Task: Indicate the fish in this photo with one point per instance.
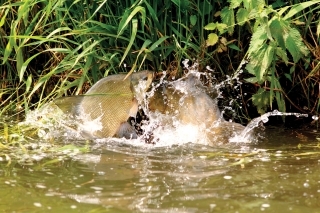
(188, 101)
(110, 101)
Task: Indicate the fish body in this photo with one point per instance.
(186, 100)
(110, 102)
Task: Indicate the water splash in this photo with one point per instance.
(189, 115)
(246, 133)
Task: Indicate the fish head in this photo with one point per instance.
(141, 79)
(140, 82)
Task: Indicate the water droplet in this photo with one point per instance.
(212, 206)
(37, 204)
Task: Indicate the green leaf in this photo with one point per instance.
(128, 17)
(277, 4)
(280, 101)
(258, 4)
(250, 67)
(222, 28)
(252, 80)
(318, 29)
(298, 7)
(4, 17)
(268, 57)
(247, 4)
(8, 49)
(282, 10)
(205, 7)
(182, 4)
(157, 43)
(233, 46)
(227, 16)
(258, 38)
(261, 100)
(28, 83)
(292, 69)
(212, 39)
(279, 28)
(25, 64)
(210, 26)
(132, 38)
(295, 46)
(259, 61)
(242, 16)
(235, 3)
(288, 76)
(193, 20)
(282, 54)
(20, 62)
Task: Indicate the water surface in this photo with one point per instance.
(278, 174)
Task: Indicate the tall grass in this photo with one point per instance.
(53, 48)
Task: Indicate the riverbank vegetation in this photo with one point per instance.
(267, 52)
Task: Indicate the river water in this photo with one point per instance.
(279, 173)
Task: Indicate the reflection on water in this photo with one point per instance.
(275, 175)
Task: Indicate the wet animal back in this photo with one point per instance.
(109, 100)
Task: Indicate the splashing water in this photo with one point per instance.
(245, 134)
(182, 113)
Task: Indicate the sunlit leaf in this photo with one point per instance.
(3, 18)
(294, 44)
(212, 39)
(298, 7)
(20, 62)
(247, 4)
(227, 16)
(222, 28)
(210, 26)
(258, 4)
(157, 43)
(268, 57)
(235, 3)
(126, 19)
(278, 29)
(132, 38)
(28, 83)
(282, 54)
(242, 16)
(252, 80)
(258, 38)
(7, 51)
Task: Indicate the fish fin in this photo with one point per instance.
(126, 131)
(134, 109)
(69, 104)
